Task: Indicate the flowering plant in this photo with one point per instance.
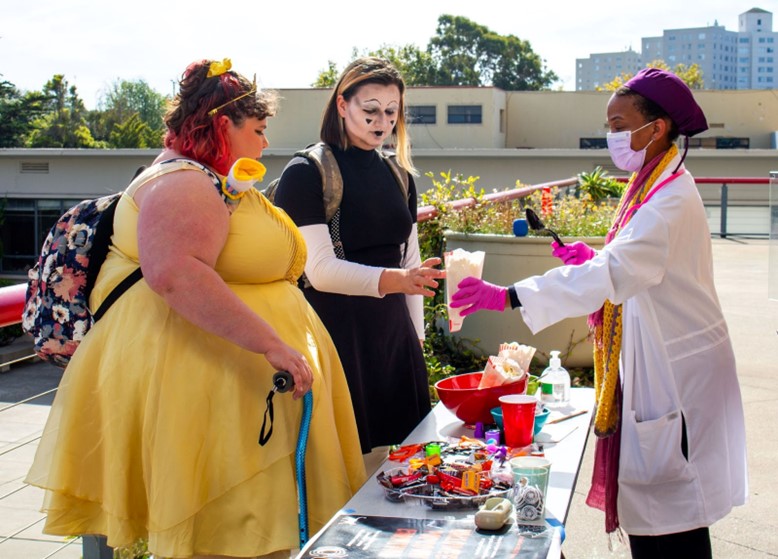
(571, 213)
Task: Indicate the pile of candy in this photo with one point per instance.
(448, 476)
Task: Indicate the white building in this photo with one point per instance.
(601, 68)
(757, 65)
(743, 59)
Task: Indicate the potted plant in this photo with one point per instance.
(488, 227)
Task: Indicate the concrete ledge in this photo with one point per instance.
(20, 348)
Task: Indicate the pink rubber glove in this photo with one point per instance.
(573, 253)
(476, 294)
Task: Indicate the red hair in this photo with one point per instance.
(194, 132)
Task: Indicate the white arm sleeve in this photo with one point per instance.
(415, 303)
(327, 272)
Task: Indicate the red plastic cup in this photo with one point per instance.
(518, 418)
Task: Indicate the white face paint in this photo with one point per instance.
(370, 115)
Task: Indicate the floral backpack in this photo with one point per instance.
(56, 311)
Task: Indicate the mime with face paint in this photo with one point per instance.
(371, 302)
(670, 457)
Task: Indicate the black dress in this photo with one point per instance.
(375, 337)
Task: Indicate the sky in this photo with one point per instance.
(287, 43)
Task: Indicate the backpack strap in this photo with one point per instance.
(400, 174)
(117, 292)
(403, 181)
(142, 176)
(170, 166)
(331, 179)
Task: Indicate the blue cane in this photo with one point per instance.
(284, 382)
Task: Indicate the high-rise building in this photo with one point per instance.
(757, 65)
(601, 68)
(742, 59)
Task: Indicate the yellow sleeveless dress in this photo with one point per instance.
(153, 432)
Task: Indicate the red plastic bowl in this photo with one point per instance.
(461, 395)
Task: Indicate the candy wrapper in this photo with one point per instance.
(460, 264)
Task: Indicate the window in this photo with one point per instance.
(464, 114)
(592, 143)
(422, 114)
(732, 143)
(27, 222)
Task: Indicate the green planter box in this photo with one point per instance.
(510, 259)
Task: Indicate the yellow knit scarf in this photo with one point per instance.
(608, 333)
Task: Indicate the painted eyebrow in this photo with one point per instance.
(377, 102)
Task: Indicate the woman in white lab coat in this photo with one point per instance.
(670, 457)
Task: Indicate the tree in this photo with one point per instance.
(462, 53)
(17, 111)
(328, 77)
(415, 65)
(133, 133)
(130, 106)
(691, 75)
(62, 122)
(466, 53)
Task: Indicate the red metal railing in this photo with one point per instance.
(428, 212)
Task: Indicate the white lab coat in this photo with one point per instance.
(677, 364)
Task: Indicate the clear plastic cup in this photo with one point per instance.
(530, 476)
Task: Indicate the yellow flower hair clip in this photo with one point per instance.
(218, 68)
(242, 176)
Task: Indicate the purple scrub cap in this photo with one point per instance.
(670, 92)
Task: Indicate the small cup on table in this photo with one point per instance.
(518, 419)
(530, 476)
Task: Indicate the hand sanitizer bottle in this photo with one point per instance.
(555, 382)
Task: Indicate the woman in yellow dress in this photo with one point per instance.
(153, 433)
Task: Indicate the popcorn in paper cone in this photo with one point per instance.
(500, 370)
(460, 264)
(520, 353)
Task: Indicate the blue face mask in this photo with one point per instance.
(621, 152)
